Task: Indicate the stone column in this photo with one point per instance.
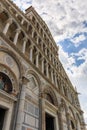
(53, 59)
(45, 50)
(56, 79)
(37, 58)
(56, 63)
(22, 21)
(68, 121)
(50, 55)
(16, 15)
(42, 64)
(24, 44)
(42, 45)
(52, 75)
(31, 54)
(41, 112)
(8, 23)
(16, 36)
(20, 116)
(37, 40)
(47, 69)
(32, 33)
(60, 120)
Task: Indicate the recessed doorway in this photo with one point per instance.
(2, 116)
(49, 121)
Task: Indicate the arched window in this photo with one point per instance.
(3, 18)
(11, 31)
(5, 83)
(49, 98)
(65, 91)
(33, 19)
(20, 40)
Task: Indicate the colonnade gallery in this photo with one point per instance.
(35, 91)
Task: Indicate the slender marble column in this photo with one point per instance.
(16, 15)
(56, 79)
(8, 23)
(56, 64)
(47, 69)
(32, 33)
(37, 59)
(31, 54)
(37, 40)
(24, 44)
(20, 117)
(46, 50)
(68, 121)
(50, 55)
(52, 75)
(42, 112)
(22, 21)
(42, 46)
(42, 64)
(53, 60)
(60, 120)
(16, 36)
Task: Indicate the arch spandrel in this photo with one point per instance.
(31, 72)
(10, 62)
(71, 112)
(34, 82)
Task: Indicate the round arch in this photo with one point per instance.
(4, 16)
(49, 91)
(72, 118)
(28, 72)
(5, 13)
(78, 117)
(5, 72)
(71, 111)
(12, 30)
(9, 52)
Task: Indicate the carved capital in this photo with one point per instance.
(24, 80)
(9, 20)
(25, 39)
(18, 30)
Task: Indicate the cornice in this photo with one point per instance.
(6, 95)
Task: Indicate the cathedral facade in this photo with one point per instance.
(35, 91)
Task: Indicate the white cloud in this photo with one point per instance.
(77, 40)
(66, 16)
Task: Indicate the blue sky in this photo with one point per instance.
(67, 21)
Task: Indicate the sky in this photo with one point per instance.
(67, 21)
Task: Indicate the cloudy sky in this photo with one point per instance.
(67, 21)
